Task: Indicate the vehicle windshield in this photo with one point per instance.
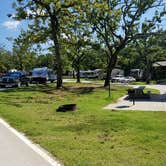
(14, 74)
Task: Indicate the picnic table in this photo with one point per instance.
(138, 93)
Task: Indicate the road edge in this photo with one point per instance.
(36, 148)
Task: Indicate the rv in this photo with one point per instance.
(42, 75)
(137, 73)
(97, 73)
(116, 72)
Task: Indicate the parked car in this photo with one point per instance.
(14, 79)
(123, 79)
(42, 75)
(130, 79)
(118, 78)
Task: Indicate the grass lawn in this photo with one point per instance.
(90, 136)
(143, 83)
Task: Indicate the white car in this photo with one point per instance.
(130, 79)
(122, 79)
(118, 78)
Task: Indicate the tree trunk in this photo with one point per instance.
(21, 66)
(111, 65)
(78, 73)
(112, 60)
(148, 71)
(54, 25)
(73, 73)
(20, 63)
(59, 64)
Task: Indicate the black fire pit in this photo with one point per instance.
(66, 107)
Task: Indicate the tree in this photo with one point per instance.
(49, 16)
(78, 43)
(6, 62)
(23, 54)
(150, 49)
(116, 23)
(95, 58)
(143, 52)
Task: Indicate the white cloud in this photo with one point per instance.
(11, 24)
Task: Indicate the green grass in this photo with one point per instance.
(90, 136)
(154, 91)
(143, 83)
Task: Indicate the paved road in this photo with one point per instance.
(15, 151)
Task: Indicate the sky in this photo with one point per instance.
(10, 28)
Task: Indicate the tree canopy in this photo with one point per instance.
(74, 28)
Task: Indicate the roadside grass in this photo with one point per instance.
(153, 91)
(89, 136)
(143, 83)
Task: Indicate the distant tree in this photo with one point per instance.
(6, 61)
(150, 49)
(77, 42)
(143, 52)
(116, 24)
(129, 58)
(45, 60)
(23, 53)
(95, 59)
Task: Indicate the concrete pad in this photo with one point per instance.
(155, 103)
(147, 105)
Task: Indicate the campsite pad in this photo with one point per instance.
(155, 103)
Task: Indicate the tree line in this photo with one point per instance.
(100, 30)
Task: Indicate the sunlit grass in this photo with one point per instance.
(89, 136)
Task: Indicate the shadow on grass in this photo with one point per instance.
(79, 90)
(7, 101)
(34, 88)
(51, 89)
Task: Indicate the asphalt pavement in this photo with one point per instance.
(17, 150)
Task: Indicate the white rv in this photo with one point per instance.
(137, 73)
(97, 73)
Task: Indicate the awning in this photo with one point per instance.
(159, 64)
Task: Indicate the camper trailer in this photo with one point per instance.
(116, 72)
(42, 75)
(137, 73)
(97, 73)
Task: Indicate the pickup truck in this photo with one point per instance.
(14, 79)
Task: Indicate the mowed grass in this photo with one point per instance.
(89, 136)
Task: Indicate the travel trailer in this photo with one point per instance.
(116, 72)
(97, 73)
(42, 75)
(137, 73)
